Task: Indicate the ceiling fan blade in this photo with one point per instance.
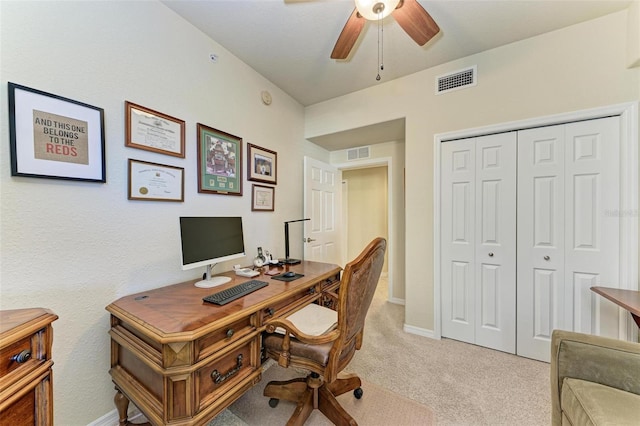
(416, 21)
(348, 36)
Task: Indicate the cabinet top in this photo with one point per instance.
(23, 321)
(177, 312)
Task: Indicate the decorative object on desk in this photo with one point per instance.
(262, 198)
(287, 260)
(155, 182)
(262, 164)
(153, 131)
(260, 259)
(219, 162)
(55, 137)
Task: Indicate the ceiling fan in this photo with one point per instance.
(412, 17)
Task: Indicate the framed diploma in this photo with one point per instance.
(262, 198)
(219, 162)
(55, 137)
(155, 182)
(153, 131)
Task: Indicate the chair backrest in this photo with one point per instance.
(357, 287)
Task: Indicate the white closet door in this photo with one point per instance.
(541, 196)
(478, 240)
(568, 238)
(592, 224)
(457, 239)
(495, 230)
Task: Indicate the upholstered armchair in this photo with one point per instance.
(594, 380)
(323, 341)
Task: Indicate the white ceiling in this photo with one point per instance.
(290, 41)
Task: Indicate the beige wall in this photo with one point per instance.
(579, 67)
(367, 204)
(75, 247)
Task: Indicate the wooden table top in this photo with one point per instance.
(178, 311)
(627, 299)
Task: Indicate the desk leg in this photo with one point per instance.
(636, 318)
(122, 404)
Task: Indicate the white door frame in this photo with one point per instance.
(628, 113)
(377, 162)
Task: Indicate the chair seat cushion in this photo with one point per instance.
(313, 320)
(318, 353)
(590, 403)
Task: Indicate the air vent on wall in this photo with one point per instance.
(358, 153)
(457, 80)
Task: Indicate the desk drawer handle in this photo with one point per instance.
(22, 357)
(312, 290)
(219, 378)
(269, 311)
(230, 333)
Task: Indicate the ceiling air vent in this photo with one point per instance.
(358, 153)
(457, 80)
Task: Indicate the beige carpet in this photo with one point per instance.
(377, 406)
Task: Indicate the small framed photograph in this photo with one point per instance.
(153, 131)
(219, 162)
(262, 198)
(261, 164)
(155, 182)
(55, 137)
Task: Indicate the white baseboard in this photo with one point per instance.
(113, 419)
(420, 331)
(396, 301)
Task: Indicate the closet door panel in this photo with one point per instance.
(458, 239)
(495, 224)
(591, 229)
(540, 246)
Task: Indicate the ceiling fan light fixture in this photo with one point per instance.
(373, 10)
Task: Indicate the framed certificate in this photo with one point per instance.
(155, 182)
(219, 162)
(153, 131)
(55, 137)
(262, 198)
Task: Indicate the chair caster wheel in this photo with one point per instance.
(358, 393)
(273, 402)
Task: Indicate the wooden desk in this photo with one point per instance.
(181, 361)
(627, 299)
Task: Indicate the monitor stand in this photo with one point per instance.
(209, 281)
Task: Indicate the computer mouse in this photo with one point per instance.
(289, 274)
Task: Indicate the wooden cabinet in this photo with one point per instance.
(26, 388)
(181, 361)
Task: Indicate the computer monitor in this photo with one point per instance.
(207, 241)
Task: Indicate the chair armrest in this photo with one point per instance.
(611, 362)
(326, 337)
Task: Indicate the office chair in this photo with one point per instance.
(325, 353)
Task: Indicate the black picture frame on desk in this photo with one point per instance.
(55, 137)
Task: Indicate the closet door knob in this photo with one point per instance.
(547, 258)
(490, 254)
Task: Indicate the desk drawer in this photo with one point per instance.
(297, 300)
(21, 357)
(217, 377)
(224, 337)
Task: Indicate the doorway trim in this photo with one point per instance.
(628, 113)
(381, 162)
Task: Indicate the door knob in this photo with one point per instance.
(307, 240)
(546, 258)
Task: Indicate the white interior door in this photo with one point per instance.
(568, 181)
(458, 239)
(322, 204)
(495, 248)
(541, 203)
(478, 240)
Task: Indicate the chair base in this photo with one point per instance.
(312, 393)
